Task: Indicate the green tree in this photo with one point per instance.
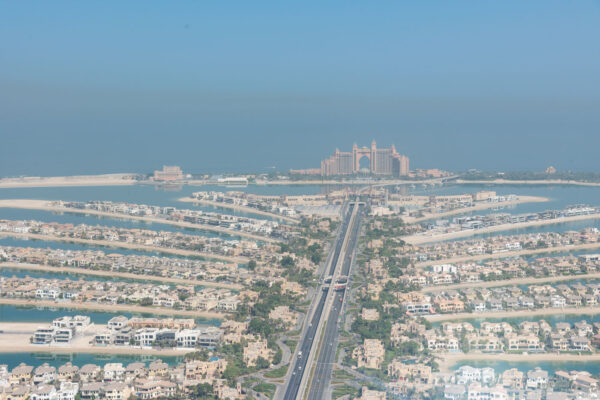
(261, 363)
(277, 357)
(287, 262)
(146, 301)
(203, 391)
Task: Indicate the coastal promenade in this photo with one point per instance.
(112, 308)
(31, 204)
(505, 254)
(129, 246)
(123, 275)
(16, 336)
(477, 207)
(509, 282)
(420, 238)
(514, 314)
(237, 207)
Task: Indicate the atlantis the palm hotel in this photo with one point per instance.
(381, 162)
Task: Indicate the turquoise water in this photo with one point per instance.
(560, 227)
(551, 319)
(142, 194)
(550, 366)
(56, 360)
(148, 194)
(76, 219)
(561, 253)
(24, 273)
(10, 313)
(42, 244)
(559, 196)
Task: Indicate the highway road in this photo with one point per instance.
(320, 384)
(299, 364)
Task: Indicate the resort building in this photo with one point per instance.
(381, 162)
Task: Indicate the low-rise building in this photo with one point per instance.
(370, 354)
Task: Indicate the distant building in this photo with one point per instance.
(368, 394)
(550, 170)
(381, 161)
(310, 171)
(168, 174)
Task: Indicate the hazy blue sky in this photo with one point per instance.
(112, 86)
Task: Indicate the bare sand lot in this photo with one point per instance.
(76, 180)
(15, 338)
(504, 254)
(237, 207)
(510, 282)
(30, 204)
(478, 207)
(115, 274)
(112, 308)
(449, 359)
(514, 314)
(123, 245)
(420, 239)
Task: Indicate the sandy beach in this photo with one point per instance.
(504, 254)
(30, 204)
(115, 274)
(525, 182)
(420, 239)
(112, 308)
(15, 338)
(236, 207)
(514, 314)
(130, 246)
(478, 207)
(510, 282)
(76, 180)
(449, 359)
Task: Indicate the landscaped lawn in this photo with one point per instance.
(277, 373)
(267, 389)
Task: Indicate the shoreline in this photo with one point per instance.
(16, 335)
(112, 308)
(525, 182)
(31, 204)
(509, 282)
(448, 359)
(119, 179)
(125, 275)
(478, 207)
(38, 348)
(513, 314)
(420, 239)
(128, 246)
(506, 254)
(236, 207)
(312, 182)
